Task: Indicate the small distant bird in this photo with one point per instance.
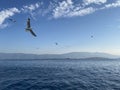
(91, 36)
(12, 20)
(29, 28)
(56, 43)
(37, 48)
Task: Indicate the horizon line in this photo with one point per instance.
(57, 53)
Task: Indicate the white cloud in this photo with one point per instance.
(4, 14)
(112, 5)
(3, 25)
(87, 2)
(82, 12)
(63, 8)
(30, 8)
(68, 9)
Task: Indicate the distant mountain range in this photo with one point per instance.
(72, 55)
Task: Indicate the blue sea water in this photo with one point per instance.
(59, 74)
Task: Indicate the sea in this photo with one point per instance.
(60, 74)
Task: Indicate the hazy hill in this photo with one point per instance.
(72, 55)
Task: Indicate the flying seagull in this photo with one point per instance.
(29, 28)
(12, 20)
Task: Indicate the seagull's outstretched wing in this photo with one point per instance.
(33, 33)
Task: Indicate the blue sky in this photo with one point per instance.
(70, 23)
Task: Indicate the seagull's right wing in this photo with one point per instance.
(33, 33)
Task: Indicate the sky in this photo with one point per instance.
(70, 23)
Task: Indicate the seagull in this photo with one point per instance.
(12, 20)
(29, 28)
(91, 36)
(56, 43)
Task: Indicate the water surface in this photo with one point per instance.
(59, 74)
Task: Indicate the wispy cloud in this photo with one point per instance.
(112, 5)
(87, 2)
(3, 25)
(31, 7)
(68, 9)
(58, 9)
(63, 9)
(4, 14)
(82, 12)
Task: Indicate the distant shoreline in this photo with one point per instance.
(68, 56)
(62, 59)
